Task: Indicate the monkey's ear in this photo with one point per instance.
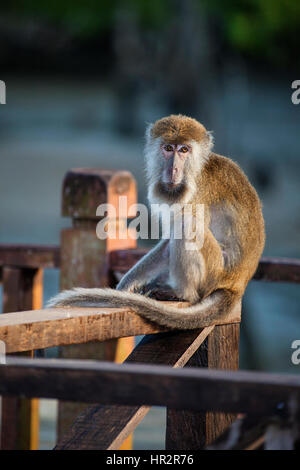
(148, 133)
(210, 139)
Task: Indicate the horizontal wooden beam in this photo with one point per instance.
(29, 256)
(269, 269)
(278, 270)
(122, 260)
(143, 384)
(43, 256)
(39, 329)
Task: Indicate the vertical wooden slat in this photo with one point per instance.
(22, 290)
(84, 257)
(192, 431)
(223, 353)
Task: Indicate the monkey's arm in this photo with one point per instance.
(153, 264)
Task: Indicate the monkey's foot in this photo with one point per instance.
(158, 292)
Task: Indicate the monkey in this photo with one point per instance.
(182, 169)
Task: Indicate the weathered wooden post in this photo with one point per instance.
(22, 290)
(84, 257)
(193, 431)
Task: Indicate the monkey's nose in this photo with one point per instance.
(174, 172)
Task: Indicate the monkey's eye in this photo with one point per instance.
(184, 149)
(168, 148)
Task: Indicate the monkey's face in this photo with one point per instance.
(174, 158)
(172, 170)
(176, 149)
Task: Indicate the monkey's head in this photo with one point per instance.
(177, 146)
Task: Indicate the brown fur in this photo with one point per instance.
(223, 182)
(178, 129)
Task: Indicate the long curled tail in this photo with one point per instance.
(213, 307)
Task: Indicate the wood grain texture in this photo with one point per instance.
(22, 331)
(223, 353)
(272, 269)
(84, 255)
(30, 256)
(83, 263)
(106, 427)
(84, 189)
(145, 384)
(269, 269)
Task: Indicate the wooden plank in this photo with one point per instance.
(106, 427)
(30, 256)
(22, 288)
(45, 256)
(278, 270)
(22, 331)
(11, 406)
(154, 385)
(122, 260)
(192, 431)
(81, 248)
(223, 353)
(269, 269)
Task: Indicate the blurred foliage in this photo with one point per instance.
(89, 17)
(268, 28)
(263, 28)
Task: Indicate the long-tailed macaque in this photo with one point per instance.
(182, 169)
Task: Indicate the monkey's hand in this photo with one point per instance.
(158, 291)
(129, 287)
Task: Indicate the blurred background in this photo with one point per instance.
(83, 79)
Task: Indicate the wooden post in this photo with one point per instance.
(193, 431)
(84, 257)
(22, 290)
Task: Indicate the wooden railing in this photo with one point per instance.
(199, 400)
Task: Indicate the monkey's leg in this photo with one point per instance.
(148, 268)
(201, 270)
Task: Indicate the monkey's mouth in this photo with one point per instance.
(171, 190)
(172, 186)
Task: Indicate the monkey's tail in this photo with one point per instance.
(213, 307)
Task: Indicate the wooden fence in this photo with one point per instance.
(202, 398)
